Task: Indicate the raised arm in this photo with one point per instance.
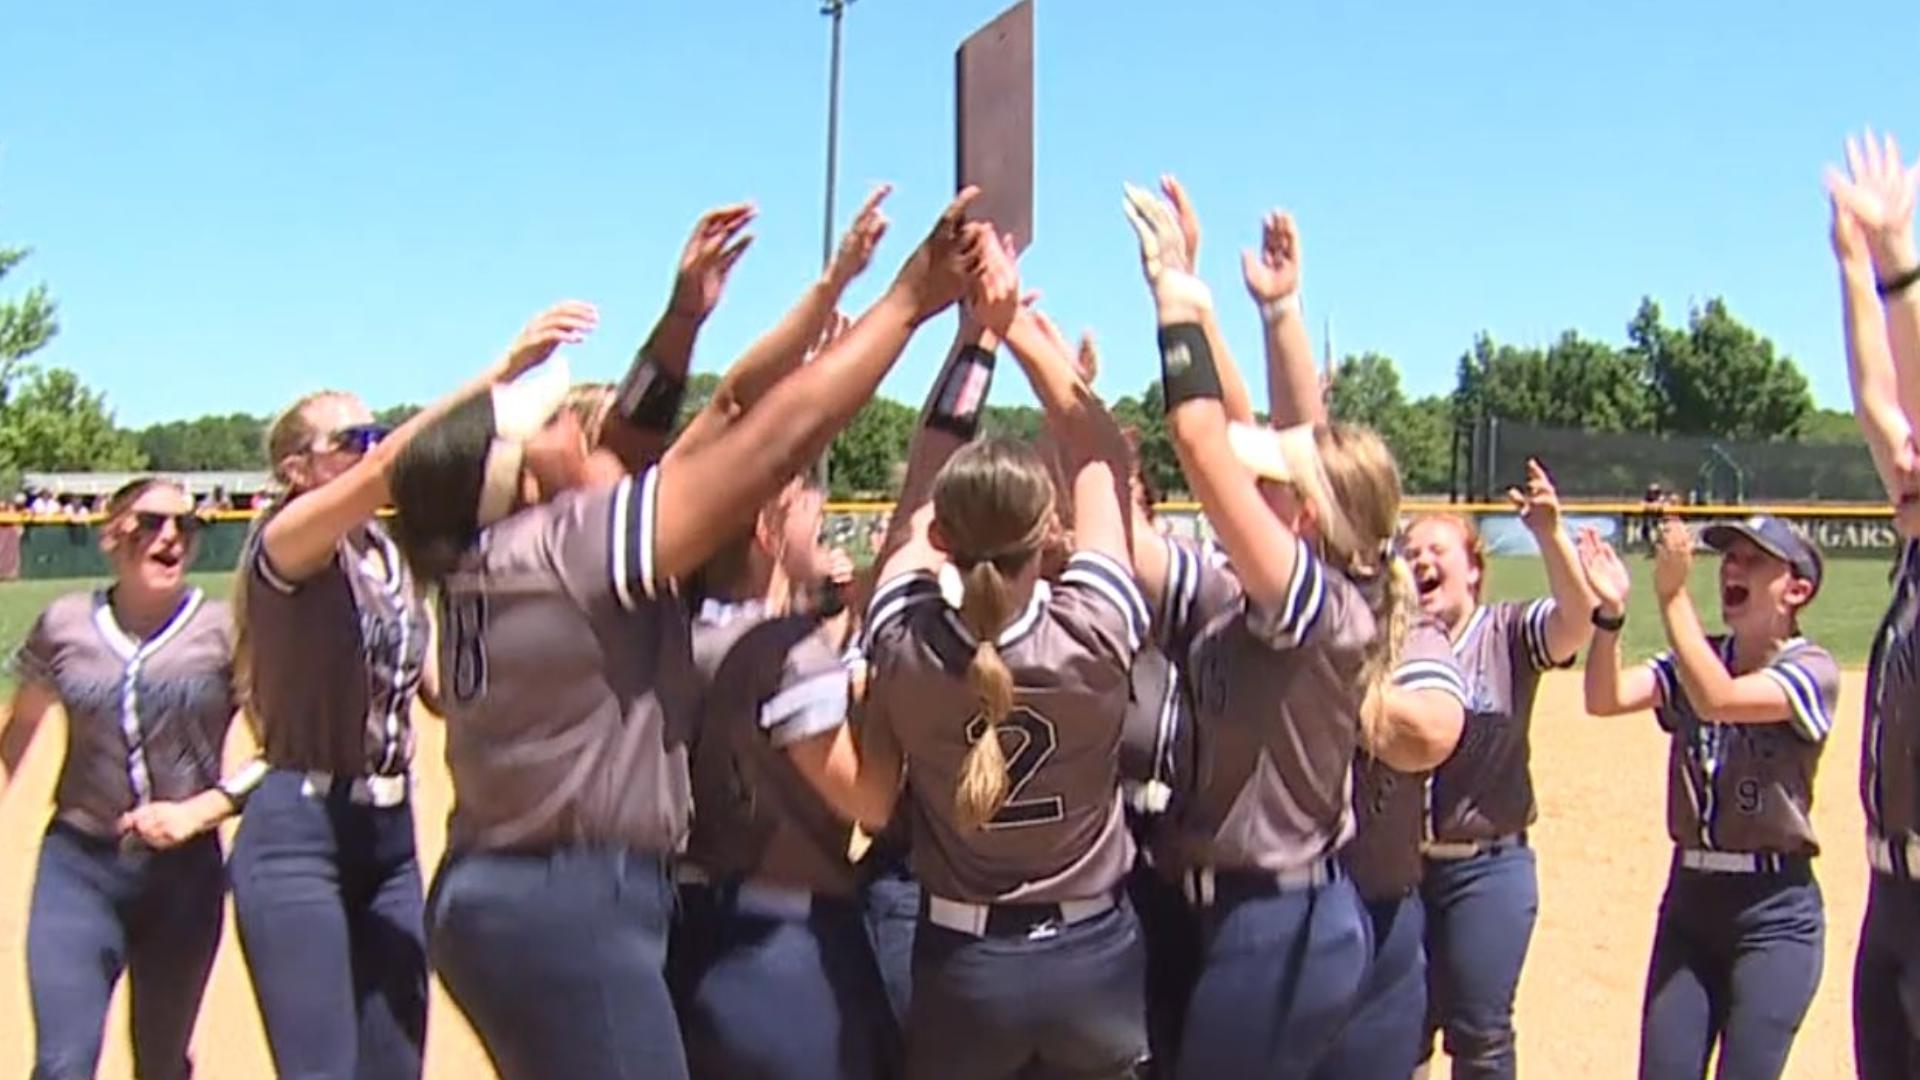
(949, 419)
(805, 326)
(301, 539)
(1234, 397)
(1610, 691)
(1095, 452)
(647, 400)
(1294, 392)
(711, 490)
(1880, 191)
(1570, 626)
(1886, 426)
(1262, 547)
(1716, 694)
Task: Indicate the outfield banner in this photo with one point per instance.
(1503, 534)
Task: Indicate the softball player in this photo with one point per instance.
(129, 876)
(570, 683)
(1420, 727)
(770, 912)
(1480, 888)
(1737, 950)
(1007, 714)
(1879, 265)
(1295, 616)
(330, 642)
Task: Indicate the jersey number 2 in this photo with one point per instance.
(466, 629)
(1029, 741)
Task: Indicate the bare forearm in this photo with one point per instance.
(1893, 256)
(782, 348)
(1571, 625)
(1870, 374)
(1601, 679)
(932, 444)
(1293, 385)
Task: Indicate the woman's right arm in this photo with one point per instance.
(301, 539)
(32, 700)
(707, 493)
(1096, 449)
(1264, 551)
(1880, 192)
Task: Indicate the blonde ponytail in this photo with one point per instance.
(1392, 614)
(985, 606)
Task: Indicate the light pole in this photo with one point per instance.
(835, 10)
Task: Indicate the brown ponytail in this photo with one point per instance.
(993, 506)
(1393, 613)
(1359, 519)
(986, 606)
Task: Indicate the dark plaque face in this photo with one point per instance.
(993, 96)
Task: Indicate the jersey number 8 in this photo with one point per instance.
(1028, 740)
(466, 629)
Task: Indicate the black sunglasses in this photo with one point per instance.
(359, 438)
(150, 522)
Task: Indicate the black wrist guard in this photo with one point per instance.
(1186, 365)
(649, 398)
(1609, 623)
(961, 398)
(1899, 282)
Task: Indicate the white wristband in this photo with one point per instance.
(1274, 310)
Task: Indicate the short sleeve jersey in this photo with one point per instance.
(767, 683)
(1890, 740)
(1060, 833)
(146, 718)
(1485, 790)
(1748, 787)
(1276, 699)
(1384, 857)
(336, 657)
(569, 681)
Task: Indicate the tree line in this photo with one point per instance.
(1711, 375)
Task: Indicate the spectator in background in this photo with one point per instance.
(1652, 507)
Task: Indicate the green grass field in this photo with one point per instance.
(1843, 618)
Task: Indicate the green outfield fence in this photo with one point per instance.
(61, 547)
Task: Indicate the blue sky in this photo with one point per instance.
(237, 203)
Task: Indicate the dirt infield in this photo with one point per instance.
(1603, 860)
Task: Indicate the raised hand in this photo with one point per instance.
(1184, 213)
(940, 270)
(1880, 191)
(1539, 504)
(1849, 239)
(994, 300)
(862, 238)
(1606, 575)
(566, 323)
(1086, 359)
(1164, 257)
(719, 239)
(1273, 273)
(1672, 558)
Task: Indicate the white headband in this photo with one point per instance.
(521, 409)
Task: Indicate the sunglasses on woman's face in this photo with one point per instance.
(357, 439)
(150, 522)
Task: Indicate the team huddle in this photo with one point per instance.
(1041, 792)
